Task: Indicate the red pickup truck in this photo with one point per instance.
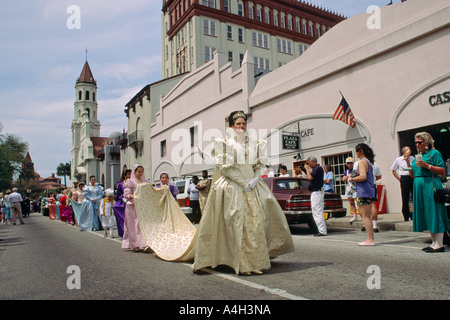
(294, 198)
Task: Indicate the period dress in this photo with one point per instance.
(132, 235)
(119, 208)
(76, 201)
(241, 229)
(165, 228)
(51, 208)
(65, 210)
(107, 213)
(89, 217)
(427, 213)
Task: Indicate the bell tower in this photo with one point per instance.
(85, 124)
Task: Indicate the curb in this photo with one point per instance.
(383, 224)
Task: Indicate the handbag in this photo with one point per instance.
(440, 195)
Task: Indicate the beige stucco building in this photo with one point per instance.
(396, 80)
(141, 112)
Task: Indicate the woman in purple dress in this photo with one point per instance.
(119, 206)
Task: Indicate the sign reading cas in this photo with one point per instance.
(439, 98)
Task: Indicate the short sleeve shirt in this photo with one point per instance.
(317, 182)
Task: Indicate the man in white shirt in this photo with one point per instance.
(193, 200)
(283, 172)
(15, 199)
(400, 169)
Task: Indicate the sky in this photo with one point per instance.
(43, 50)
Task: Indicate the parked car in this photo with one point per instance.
(183, 196)
(295, 200)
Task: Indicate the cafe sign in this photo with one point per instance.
(290, 141)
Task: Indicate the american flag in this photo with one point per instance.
(344, 113)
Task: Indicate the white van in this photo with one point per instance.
(183, 195)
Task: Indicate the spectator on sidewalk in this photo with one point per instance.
(400, 169)
(365, 189)
(350, 188)
(194, 200)
(315, 176)
(283, 172)
(203, 190)
(16, 209)
(328, 179)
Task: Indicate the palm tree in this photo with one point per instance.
(63, 170)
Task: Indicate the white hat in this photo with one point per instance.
(109, 192)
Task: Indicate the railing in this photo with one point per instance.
(135, 137)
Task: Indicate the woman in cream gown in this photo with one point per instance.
(243, 225)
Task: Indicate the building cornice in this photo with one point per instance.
(292, 7)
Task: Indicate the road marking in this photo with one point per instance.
(101, 235)
(237, 279)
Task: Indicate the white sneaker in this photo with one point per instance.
(353, 219)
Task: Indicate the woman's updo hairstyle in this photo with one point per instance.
(236, 115)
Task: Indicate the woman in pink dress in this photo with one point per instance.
(132, 235)
(51, 207)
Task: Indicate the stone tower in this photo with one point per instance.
(84, 125)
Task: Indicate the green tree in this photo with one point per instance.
(63, 170)
(12, 153)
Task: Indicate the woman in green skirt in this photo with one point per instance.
(427, 213)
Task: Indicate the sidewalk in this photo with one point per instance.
(386, 221)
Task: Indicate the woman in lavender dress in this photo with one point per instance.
(119, 206)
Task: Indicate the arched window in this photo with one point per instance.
(137, 123)
(87, 95)
(93, 96)
(80, 95)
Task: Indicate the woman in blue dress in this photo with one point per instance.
(427, 213)
(89, 217)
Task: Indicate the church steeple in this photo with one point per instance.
(86, 75)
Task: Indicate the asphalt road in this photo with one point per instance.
(50, 260)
